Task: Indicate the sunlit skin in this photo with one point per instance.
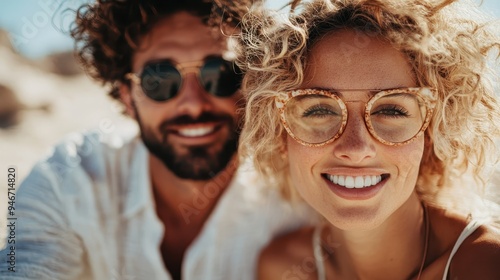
(182, 38)
(357, 153)
(379, 234)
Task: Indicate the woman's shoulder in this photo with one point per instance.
(289, 256)
(478, 256)
(476, 244)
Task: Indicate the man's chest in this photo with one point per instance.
(178, 237)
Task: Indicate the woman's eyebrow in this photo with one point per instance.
(338, 92)
(369, 92)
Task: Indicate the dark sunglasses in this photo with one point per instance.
(162, 80)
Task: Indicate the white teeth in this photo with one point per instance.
(196, 132)
(349, 182)
(355, 181)
(359, 182)
(341, 180)
(368, 180)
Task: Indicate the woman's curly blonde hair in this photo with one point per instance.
(449, 48)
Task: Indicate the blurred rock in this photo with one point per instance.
(10, 107)
(5, 40)
(33, 86)
(62, 63)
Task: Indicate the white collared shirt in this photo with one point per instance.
(87, 212)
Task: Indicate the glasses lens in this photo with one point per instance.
(313, 118)
(397, 117)
(160, 81)
(219, 77)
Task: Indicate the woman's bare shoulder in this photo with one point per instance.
(289, 256)
(478, 257)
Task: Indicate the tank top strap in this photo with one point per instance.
(318, 256)
(468, 230)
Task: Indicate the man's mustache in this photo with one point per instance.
(204, 117)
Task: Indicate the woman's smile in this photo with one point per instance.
(355, 181)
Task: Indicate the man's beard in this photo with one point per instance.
(198, 163)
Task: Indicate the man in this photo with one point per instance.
(171, 203)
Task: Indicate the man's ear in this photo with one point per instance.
(126, 98)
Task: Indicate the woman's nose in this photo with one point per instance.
(356, 144)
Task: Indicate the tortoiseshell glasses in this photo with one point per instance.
(316, 117)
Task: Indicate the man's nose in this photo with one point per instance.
(192, 98)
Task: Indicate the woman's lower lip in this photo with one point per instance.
(355, 193)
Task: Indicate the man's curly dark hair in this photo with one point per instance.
(107, 32)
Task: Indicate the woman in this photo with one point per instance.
(371, 111)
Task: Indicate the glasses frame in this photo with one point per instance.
(427, 94)
(183, 69)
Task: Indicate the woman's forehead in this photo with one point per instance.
(342, 60)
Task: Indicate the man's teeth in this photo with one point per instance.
(355, 181)
(196, 132)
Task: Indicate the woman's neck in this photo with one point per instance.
(393, 250)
